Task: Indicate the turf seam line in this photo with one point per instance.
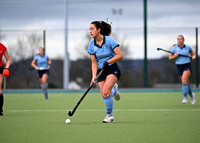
(116, 110)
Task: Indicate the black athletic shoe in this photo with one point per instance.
(1, 113)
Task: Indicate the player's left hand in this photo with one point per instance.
(193, 57)
(105, 65)
(6, 72)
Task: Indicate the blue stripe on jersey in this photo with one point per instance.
(103, 53)
(183, 51)
(42, 62)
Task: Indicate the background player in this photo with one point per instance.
(183, 66)
(3, 72)
(41, 63)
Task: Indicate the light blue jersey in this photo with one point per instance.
(42, 62)
(183, 51)
(103, 53)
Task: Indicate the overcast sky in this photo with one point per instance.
(164, 16)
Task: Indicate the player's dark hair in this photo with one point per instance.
(41, 48)
(105, 27)
(182, 36)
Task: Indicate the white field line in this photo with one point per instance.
(115, 110)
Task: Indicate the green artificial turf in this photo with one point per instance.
(146, 117)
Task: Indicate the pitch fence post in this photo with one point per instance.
(44, 40)
(197, 60)
(145, 46)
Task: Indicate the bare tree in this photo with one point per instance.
(25, 47)
(124, 45)
(34, 43)
(83, 47)
(21, 54)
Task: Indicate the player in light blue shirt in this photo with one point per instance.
(104, 53)
(185, 50)
(41, 63)
(183, 66)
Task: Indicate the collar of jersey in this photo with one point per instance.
(180, 47)
(40, 55)
(104, 40)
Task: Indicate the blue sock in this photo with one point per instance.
(190, 91)
(45, 87)
(109, 104)
(113, 91)
(185, 90)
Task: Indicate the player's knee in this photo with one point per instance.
(184, 81)
(43, 81)
(106, 92)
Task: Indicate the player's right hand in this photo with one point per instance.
(6, 72)
(94, 81)
(176, 55)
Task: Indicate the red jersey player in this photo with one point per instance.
(3, 72)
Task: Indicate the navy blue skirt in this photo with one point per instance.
(183, 67)
(41, 72)
(112, 69)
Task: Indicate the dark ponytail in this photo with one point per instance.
(105, 27)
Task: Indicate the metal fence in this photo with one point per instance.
(49, 26)
(23, 45)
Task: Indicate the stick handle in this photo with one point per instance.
(99, 74)
(70, 113)
(173, 53)
(46, 68)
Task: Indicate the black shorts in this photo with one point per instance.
(183, 67)
(41, 72)
(112, 69)
(1, 69)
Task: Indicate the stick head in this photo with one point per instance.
(158, 49)
(70, 113)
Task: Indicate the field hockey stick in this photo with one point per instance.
(46, 68)
(172, 53)
(70, 113)
(40, 69)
